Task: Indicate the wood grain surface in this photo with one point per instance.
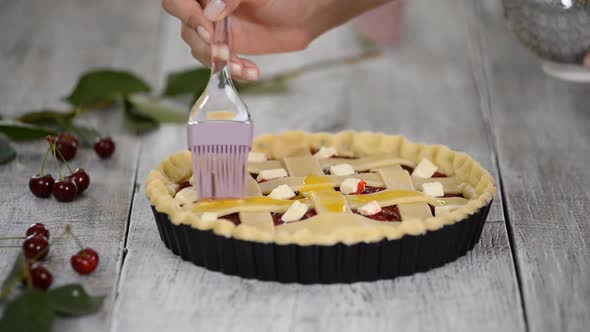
(45, 46)
(541, 126)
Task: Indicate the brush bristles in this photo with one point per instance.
(219, 171)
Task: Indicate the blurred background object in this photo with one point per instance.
(556, 30)
(382, 24)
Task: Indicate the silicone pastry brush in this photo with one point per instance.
(220, 130)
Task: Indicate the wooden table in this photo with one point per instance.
(458, 77)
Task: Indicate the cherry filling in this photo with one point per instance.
(435, 175)
(234, 217)
(183, 185)
(276, 217)
(388, 213)
(369, 190)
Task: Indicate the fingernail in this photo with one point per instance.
(235, 68)
(587, 61)
(220, 51)
(214, 9)
(203, 33)
(251, 74)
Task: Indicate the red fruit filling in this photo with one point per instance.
(183, 185)
(234, 217)
(388, 213)
(276, 217)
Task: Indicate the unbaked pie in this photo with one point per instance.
(313, 199)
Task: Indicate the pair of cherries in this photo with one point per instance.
(67, 145)
(36, 247)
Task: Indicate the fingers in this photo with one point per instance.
(216, 10)
(250, 70)
(191, 15)
(199, 44)
(240, 68)
(587, 60)
(243, 69)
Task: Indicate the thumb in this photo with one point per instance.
(587, 60)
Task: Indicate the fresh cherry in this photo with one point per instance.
(40, 185)
(37, 229)
(41, 278)
(64, 190)
(66, 145)
(104, 147)
(68, 137)
(85, 261)
(35, 247)
(80, 178)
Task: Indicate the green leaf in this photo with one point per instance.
(72, 300)
(187, 82)
(273, 86)
(15, 276)
(19, 131)
(29, 312)
(103, 86)
(137, 122)
(87, 136)
(158, 109)
(48, 117)
(7, 153)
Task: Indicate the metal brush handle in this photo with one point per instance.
(220, 100)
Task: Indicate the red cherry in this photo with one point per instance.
(64, 190)
(68, 137)
(85, 261)
(80, 178)
(36, 247)
(104, 147)
(40, 185)
(67, 149)
(66, 144)
(41, 278)
(38, 229)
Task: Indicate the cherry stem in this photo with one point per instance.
(75, 238)
(64, 160)
(61, 177)
(45, 161)
(13, 238)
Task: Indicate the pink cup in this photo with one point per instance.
(382, 24)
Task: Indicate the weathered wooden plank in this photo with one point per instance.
(541, 130)
(98, 217)
(44, 48)
(425, 89)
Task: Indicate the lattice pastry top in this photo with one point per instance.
(324, 189)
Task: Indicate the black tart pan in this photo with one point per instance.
(313, 264)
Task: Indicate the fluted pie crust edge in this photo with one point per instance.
(163, 182)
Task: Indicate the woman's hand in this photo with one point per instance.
(587, 60)
(261, 26)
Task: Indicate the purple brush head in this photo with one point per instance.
(220, 155)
